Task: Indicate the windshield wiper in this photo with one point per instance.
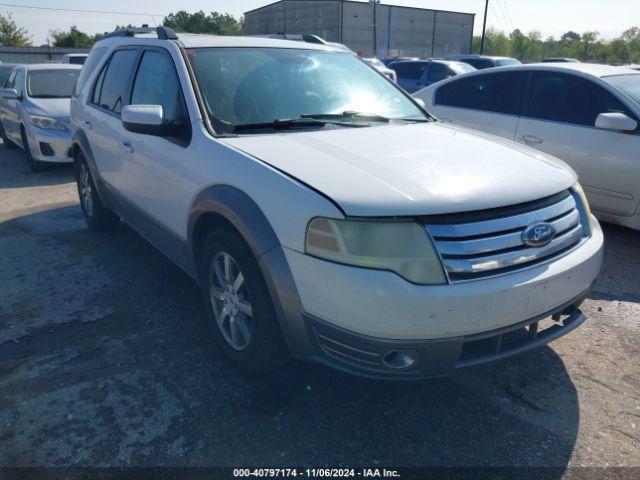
(286, 123)
(350, 115)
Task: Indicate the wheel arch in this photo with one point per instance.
(227, 206)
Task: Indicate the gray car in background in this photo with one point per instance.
(34, 112)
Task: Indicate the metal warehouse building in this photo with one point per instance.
(399, 31)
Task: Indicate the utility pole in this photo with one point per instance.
(375, 3)
(484, 26)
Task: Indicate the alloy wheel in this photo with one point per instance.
(86, 191)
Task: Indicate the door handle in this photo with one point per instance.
(88, 125)
(530, 139)
(126, 146)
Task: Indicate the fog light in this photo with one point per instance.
(46, 149)
(401, 359)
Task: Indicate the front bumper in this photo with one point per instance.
(377, 358)
(50, 145)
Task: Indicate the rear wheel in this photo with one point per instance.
(8, 144)
(97, 216)
(34, 164)
(239, 305)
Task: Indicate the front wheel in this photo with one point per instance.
(238, 304)
(97, 216)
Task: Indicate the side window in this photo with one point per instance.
(11, 80)
(480, 64)
(446, 94)
(18, 82)
(157, 83)
(569, 99)
(93, 59)
(113, 87)
(439, 72)
(494, 92)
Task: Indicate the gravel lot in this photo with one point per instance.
(106, 360)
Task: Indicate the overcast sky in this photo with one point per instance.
(551, 17)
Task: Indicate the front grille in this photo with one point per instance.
(486, 243)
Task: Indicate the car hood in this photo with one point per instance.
(410, 169)
(50, 107)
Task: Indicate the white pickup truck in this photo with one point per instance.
(324, 213)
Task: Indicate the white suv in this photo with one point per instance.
(323, 212)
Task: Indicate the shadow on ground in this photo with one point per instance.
(16, 172)
(106, 359)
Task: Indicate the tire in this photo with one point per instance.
(34, 164)
(97, 216)
(259, 346)
(8, 144)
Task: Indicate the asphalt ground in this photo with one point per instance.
(106, 360)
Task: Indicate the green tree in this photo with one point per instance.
(73, 38)
(11, 35)
(213, 23)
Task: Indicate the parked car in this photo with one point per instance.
(379, 66)
(34, 112)
(5, 70)
(74, 58)
(633, 66)
(415, 75)
(560, 60)
(481, 62)
(585, 114)
(323, 212)
(388, 61)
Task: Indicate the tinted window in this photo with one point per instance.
(4, 74)
(116, 80)
(51, 83)
(412, 70)
(439, 72)
(479, 63)
(495, 92)
(504, 62)
(11, 80)
(77, 60)
(446, 94)
(569, 99)
(157, 83)
(92, 61)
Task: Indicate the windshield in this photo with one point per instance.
(461, 67)
(629, 84)
(243, 86)
(504, 62)
(51, 83)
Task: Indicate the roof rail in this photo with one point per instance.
(164, 33)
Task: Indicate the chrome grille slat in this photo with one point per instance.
(473, 229)
(500, 242)
(510, 259)
(473, 249)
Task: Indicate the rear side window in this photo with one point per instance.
(411, 70)
(111, 87)
(495, 92)
(157, 83)
(570, 99)
(439, 72)
(93, 59)
(446, 94)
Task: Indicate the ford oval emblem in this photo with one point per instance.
(538, 235)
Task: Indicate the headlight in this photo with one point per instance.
(586, 210)
(400, 247)
(47, 123)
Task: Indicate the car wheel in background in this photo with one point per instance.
(34, 164)
(8, 144)
(97, 216)
(238, 304)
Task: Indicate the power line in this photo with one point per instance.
(76, 10)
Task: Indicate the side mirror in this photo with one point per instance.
(10, 94)
(144, 119)
(616, 121)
